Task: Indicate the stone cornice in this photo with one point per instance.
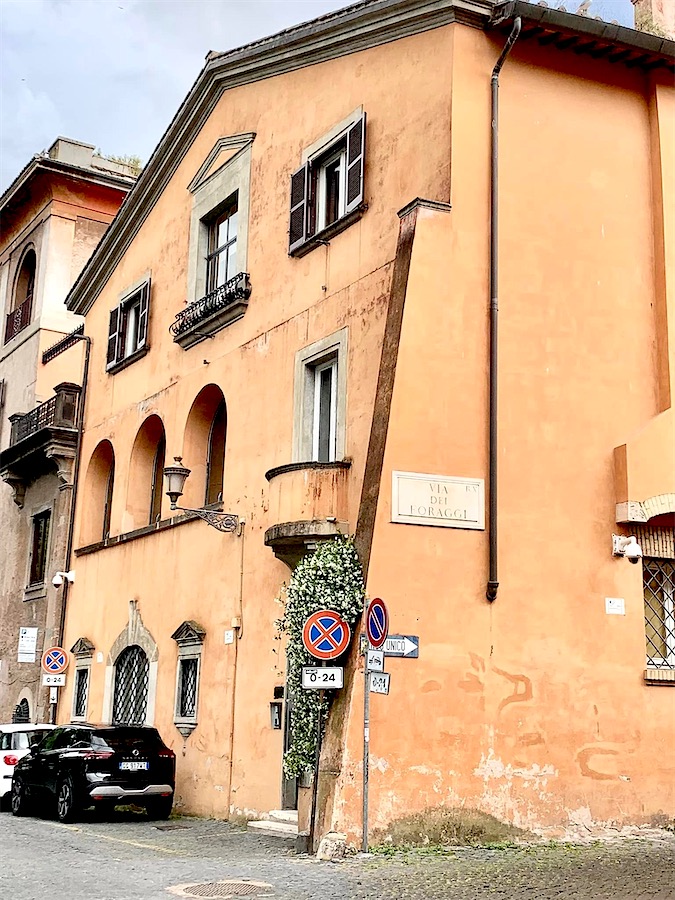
(347, 31)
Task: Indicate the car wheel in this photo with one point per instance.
(65, 801)
(160, 807)
(19, 799)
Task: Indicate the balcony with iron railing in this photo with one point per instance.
(18, 319)
(44, 438)
(220, 307)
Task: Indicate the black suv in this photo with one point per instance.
(85, 765)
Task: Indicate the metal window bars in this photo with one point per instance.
(187, 703)
(130, 702)
(18, 318)
(659, 599)
(81, 684)
(237, 288)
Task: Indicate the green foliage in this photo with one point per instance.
(330, 578)
(446, 826)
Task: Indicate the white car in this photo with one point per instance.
(15, 742)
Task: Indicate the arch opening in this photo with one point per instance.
(204, 446)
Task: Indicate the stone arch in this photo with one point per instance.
(145, 489)
(24, 280)
(204, 444)
(135, 634)
(99, 485)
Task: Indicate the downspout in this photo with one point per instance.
(493, 582)
(73, 499)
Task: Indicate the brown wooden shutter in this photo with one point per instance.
(297, 234)
(111, 356)
(356, 155)
(143, 315)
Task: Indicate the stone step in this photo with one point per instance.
(289, 816)
(274, 829)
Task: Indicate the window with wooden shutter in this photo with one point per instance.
(143, 316)
(128, 328)
(111, 356)
(297, 234)
(327, 192)
(356, 146)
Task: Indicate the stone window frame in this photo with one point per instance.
(133, 633)
(210, 195)
(189, 636)
(658, 547)
(307, 360)
(139, 293)
(347, 141)
(38, 590)
(83, 651)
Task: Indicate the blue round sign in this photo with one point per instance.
(377, 622)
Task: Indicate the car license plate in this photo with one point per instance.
(134, 766)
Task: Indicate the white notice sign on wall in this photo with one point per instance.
(418, 499)
(27, 645)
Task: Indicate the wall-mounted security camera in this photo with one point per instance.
(60, 577)
(627, 547)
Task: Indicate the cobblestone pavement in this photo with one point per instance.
(129, 858)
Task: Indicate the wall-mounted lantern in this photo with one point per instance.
(175, 478)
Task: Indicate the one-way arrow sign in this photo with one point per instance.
(407, 645)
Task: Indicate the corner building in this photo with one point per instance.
(294, 300)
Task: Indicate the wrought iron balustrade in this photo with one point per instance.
(234, 290)
(60, 411)
(18, 319)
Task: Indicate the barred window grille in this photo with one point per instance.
(81, 688)
(187, 687)
(130, 702)
(659, 595)
(21, 713)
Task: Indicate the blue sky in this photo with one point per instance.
(113, 72)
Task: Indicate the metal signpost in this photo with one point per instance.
(325, 636)
(54, 663)
(377, 628)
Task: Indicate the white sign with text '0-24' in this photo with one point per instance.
(323, 678)
(53, 680)
(418, 499)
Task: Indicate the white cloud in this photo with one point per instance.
(113, 72)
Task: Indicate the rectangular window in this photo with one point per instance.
(659, 596)
(325, 411)
(80, 695)
(221, 262)
(38, 558)
(327, 191)
(188, 674)
(128, 328)
(319, 404)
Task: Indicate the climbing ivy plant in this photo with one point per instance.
(329, 578)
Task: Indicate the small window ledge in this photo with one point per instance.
(35, 592)
(137, 533)
(128, 360)
(325, 235)
(203, 318)
(660, 676)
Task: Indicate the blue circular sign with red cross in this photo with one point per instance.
(377, 622)
(326, 635)
(55, 660)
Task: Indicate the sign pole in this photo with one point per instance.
(366, 744)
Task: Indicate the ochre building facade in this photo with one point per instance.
(295, 302)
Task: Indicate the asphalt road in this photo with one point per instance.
(129, 858)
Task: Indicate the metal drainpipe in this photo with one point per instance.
(73, 499)
(493, 583)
